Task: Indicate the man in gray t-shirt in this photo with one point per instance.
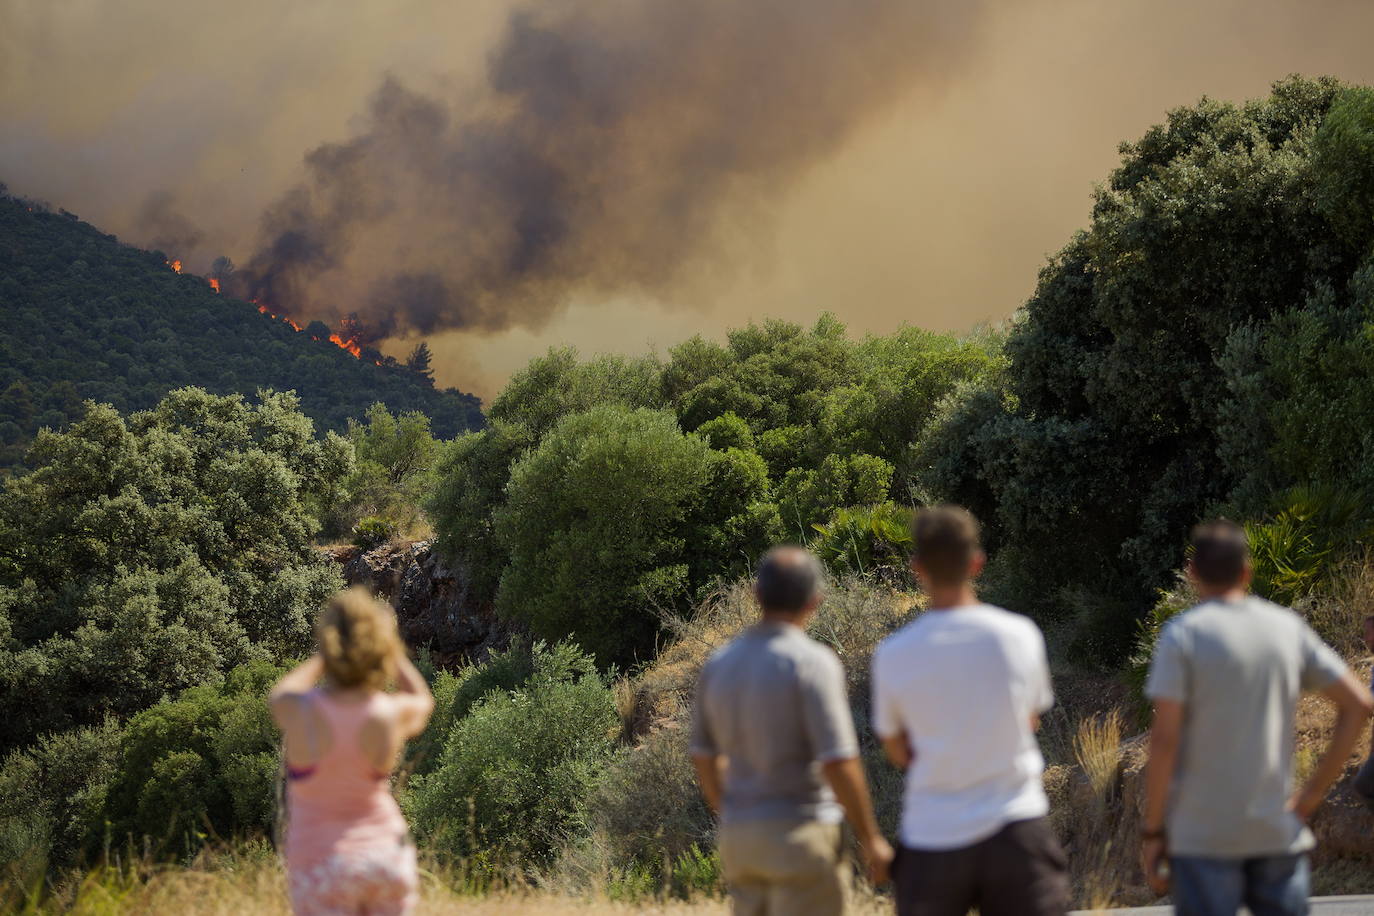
(1225, 681)
(775, 751)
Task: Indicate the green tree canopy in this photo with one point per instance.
(1108, 444)
(146, 555)
(597, 521)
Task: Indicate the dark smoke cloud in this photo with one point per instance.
(165, 227)
(615, 143)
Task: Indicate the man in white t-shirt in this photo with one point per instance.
(957, 696)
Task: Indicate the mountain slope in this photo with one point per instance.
(83, 316)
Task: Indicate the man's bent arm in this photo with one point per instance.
(898, 750)
(846, 778)
(1353, 706)
(710, 776)
(1165, 736)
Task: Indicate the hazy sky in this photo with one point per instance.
(937, 209)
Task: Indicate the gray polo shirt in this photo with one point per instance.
(773, 701)
(1238, 668)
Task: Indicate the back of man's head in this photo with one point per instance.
(788, 581)
(945, 539)
(1221, 553)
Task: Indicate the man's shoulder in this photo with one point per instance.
(747, 646)
(1207, 614)
(904, 637)
(1010, 620)
(814, 654)
(1002, 624)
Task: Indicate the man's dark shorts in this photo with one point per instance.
(1018, 871)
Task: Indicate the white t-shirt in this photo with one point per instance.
(963, 684)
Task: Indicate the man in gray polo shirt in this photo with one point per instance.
(777, 758)
(1225, 681)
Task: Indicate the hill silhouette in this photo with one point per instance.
(86, 316)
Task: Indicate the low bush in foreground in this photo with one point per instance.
(512, 781)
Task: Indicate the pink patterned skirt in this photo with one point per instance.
(372, 882)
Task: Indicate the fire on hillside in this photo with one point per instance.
(346, 338)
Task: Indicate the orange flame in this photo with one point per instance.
(214, 284)
(348, 345)
(175, 265)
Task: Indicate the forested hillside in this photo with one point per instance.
(86, 317)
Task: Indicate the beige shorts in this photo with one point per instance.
(784, 868)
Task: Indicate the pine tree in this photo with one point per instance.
(418, 362)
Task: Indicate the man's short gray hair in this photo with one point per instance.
(788, 579)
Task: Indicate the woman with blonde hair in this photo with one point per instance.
(347, 848)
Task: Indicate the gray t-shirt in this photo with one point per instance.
(773, 701)
(1238, 668)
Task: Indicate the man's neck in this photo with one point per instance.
(793, 620)
(945, 597)
(1234, 593)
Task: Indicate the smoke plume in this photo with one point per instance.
(614, 144)
(165, 227)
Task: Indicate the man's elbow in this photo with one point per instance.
(1165, 741)
(835, 766)
(1360, 706)
(706, 763)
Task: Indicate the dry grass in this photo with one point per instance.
(230, 886)
(1097, 748)
(856, 615)
(1338, 613)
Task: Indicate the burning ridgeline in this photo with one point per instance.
(346, 338)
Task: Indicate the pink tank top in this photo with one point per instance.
(341, 804)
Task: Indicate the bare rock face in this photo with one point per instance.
(434, 604)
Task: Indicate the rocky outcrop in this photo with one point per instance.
(434, 604)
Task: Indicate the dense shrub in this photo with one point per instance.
(394, 456)
(646, 805)
(373, 531)
(862, 539)
(197, 768)
(515, 772)
(149, 554)
(52, 796)
(471, 474)
(801, 422)
(456, 694)
(596, 521)
(558, 383)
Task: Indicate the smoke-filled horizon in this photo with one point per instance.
(613, 145)
(497, 176)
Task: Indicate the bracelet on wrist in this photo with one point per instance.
(1155, 834)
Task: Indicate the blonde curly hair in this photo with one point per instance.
(358, 640)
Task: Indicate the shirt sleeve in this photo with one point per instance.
(1168, 679)
(887, 721)
(825, 710)
(1321, 666)
(702, 742)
